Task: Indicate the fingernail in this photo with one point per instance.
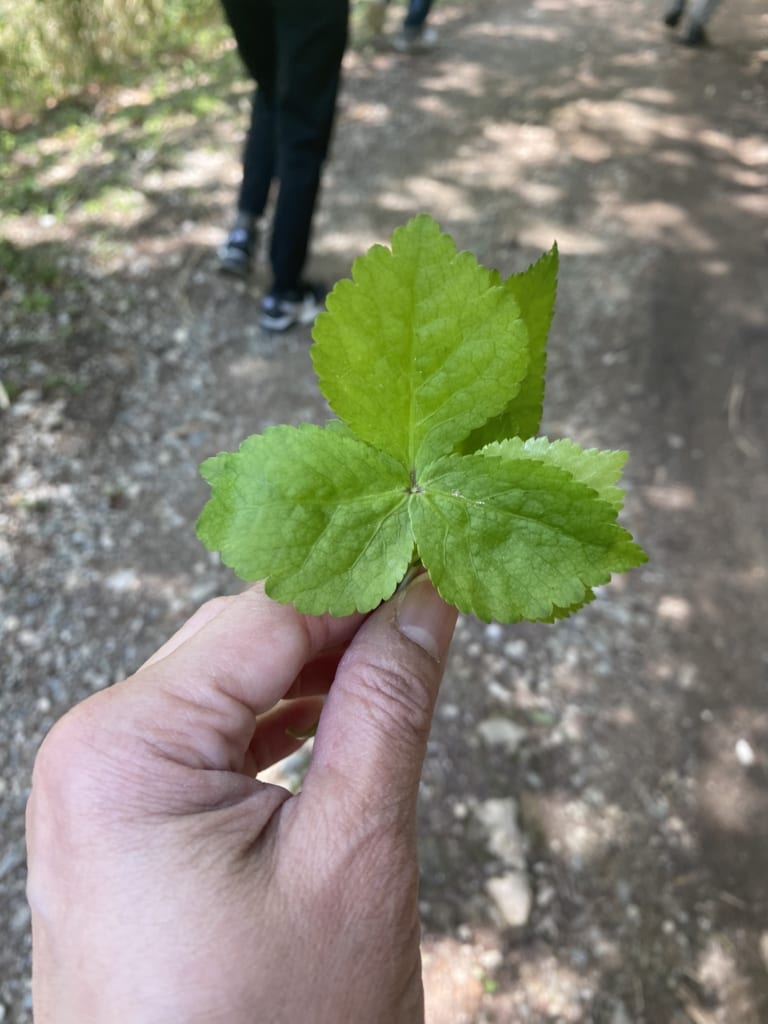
(425, 618)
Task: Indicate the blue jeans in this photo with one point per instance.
(417, 13)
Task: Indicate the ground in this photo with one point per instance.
(594, 812)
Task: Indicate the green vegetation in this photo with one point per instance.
(59, 48)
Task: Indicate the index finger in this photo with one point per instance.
(200, 701)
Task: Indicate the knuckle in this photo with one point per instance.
(396, 699)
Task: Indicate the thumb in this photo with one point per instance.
(373, 733)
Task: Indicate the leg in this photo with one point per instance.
(258, 156)
(254, 30)
(415, 35)
(702, 11)
(674, 12)
(417, 13)
(312, 36)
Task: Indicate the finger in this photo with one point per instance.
(199, 704)
(193, 625)
(373, 732)
(316, 677)
(272, 740)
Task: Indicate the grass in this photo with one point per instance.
(62, 48)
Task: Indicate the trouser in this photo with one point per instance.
(701, 10)
(417, 13)
(293, 50)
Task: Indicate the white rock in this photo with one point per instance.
(505, 840)
(499, 692)
(745, 755)
(122, 581)
(500, 732)
(516, 649)
(511, 896)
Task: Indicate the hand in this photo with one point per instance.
(168, 885)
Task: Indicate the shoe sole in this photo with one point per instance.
(277, 324)
(234, 261)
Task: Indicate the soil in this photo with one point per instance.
(594, 813)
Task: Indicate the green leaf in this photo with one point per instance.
(535, 291)
(420, 347)
(317, 513)
(512, 539)
(423, 356)
(600, 470)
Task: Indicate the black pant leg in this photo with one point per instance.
(258, 156)
(253, 26)
(311, 38)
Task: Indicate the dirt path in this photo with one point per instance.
(595, 798)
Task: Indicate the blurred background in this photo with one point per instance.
(594, 812)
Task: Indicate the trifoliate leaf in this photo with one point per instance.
(424, 357)
(317, 513)
(535, 291)
(513, 539)
(421, 347)
(599, 470)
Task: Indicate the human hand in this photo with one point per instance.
(169, 886)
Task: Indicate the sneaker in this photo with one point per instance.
(694, 35)
(236, 252)
(281, 310)
(415, 40)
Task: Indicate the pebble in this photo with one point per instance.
(511, 897)
(516, 649)
(500, 732)
(499, 692)
(122, 581)
(745, 755)
(505, 839)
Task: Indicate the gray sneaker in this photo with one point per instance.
(235, 254)
(281, 310)
(415, 40)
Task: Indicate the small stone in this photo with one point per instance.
(764, 949)
(500, 732)
(516, 649)
(122, 581)
(511, 895)
(499, 692)
(505, 840)
(745, 755)
(491, 959)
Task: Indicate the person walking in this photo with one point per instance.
(701, 11)
(293, 50)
